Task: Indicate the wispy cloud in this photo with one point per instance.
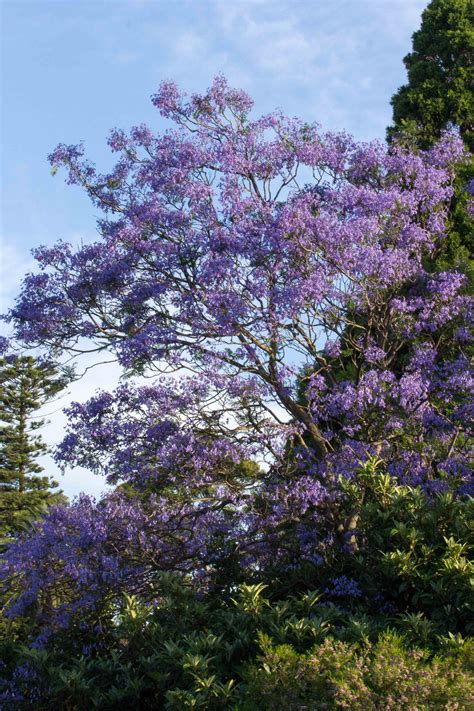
(337, 63)
(14, 264)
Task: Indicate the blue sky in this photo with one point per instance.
(72, 70)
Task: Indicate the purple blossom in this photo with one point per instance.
(343, 586)
(299, 319)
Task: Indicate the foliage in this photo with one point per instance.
(221, 277)
(225, 266)
(440, 74)
(336, 675)
(26, 385)
(159, 640)
(242, 653)
(406, 551)
(410, 552)
(214, 259)
(439, 95)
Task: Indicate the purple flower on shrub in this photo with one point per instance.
(343, 586)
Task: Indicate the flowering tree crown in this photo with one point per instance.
(288, 272)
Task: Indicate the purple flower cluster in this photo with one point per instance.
(343, 587)
(82, 558)
(156, 436)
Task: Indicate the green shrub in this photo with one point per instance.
(336, 675)
(381, 623)
(411, 554)
(243, 653)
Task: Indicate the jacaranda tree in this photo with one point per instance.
(231, 255)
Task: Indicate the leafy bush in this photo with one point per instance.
(243, 652)
(400, 589)
(336, 675)
(411, 553)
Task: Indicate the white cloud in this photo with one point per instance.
(305, 57)
(188, 45)
(14, 263)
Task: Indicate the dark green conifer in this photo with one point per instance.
(26, 384)
(440, 88)
(439, 95)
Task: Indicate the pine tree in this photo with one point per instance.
(26, 384)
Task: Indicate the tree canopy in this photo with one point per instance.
(439, 93)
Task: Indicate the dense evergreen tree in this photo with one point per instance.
(25, 385)
(439, 95)
(439, 92)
